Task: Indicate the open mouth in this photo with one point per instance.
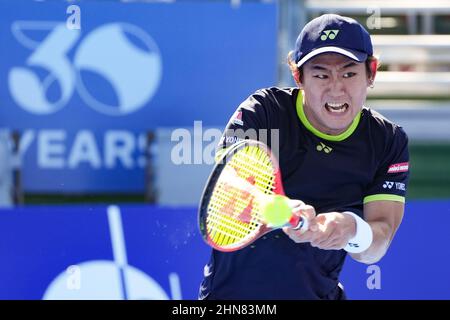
(336, 107)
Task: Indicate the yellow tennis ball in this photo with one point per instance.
(276, 211)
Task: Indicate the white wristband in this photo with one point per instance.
(363, 236)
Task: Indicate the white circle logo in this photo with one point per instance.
(100, 279)
(121, 55)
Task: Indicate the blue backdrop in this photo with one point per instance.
(149, 252)
(84, 98)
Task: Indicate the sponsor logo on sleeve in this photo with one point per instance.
(388, 185)
(398, 167)
(398, 185)
(237, 120)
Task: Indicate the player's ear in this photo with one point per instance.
(373, 67)
(296, 74)
(295, 71)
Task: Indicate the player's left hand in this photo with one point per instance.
(334, 231)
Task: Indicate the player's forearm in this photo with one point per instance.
(382, 233)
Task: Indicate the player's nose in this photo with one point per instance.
(336, 88)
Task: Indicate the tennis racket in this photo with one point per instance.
(244, 198)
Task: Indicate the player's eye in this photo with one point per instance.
(349, 74)
(321, 76)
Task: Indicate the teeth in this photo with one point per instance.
(337, 111)
(336, 107)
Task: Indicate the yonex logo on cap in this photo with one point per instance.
(329, 34)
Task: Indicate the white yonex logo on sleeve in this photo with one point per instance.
(388, 184)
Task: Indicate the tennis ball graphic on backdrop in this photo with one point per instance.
(121, 61)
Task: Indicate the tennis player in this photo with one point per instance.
(346, 163)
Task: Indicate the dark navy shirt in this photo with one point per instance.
(368, 162)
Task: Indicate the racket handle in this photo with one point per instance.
(299, 223)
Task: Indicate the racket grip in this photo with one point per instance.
(299, 223)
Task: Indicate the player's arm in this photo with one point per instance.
(384, 218)
(368, 239)
(385, 198)
(335, 230)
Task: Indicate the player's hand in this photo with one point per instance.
(335, 229)
(306, 211)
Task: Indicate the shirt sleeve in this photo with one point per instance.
(249, 121)
(391, 179)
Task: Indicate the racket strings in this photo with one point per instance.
(259, 164)
(221, 224)
(233, 212)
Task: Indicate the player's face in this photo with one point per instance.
(335, 88)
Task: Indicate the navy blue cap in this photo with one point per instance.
(333, 33)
